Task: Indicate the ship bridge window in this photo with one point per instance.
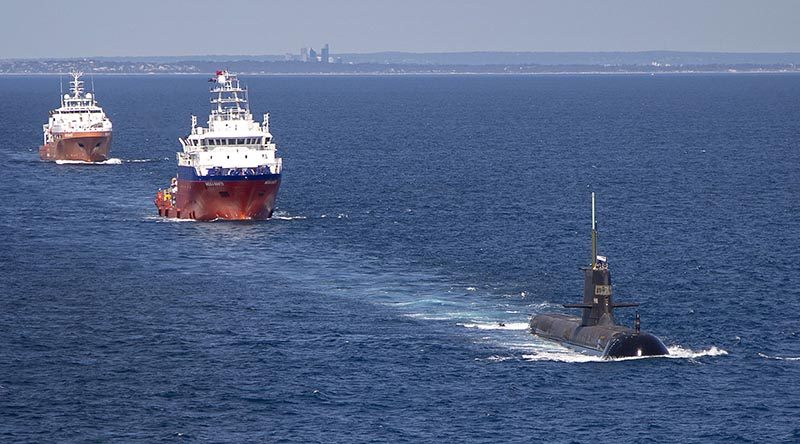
(211, 142)
(240, 141)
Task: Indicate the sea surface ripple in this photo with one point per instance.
(420, 223)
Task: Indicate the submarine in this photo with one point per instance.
(596, 330)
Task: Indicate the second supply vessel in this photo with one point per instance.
(229, 170)
(79, 130)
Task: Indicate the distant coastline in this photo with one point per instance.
(648, 62)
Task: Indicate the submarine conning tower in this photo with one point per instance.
(598, 294)
(597, 329)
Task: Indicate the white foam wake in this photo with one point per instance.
(161, 219)
(780, 358)
(280, 215)
(141, 160)
(495, 325)
(112, 161)
(337, 216)
(564, 354)
(678, 352)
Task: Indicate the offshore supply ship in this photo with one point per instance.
(597, 331)
(228, 170)
(79, 130)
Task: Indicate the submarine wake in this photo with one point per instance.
(565, 354)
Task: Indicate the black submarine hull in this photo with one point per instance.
(609, 341)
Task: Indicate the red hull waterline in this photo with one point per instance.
(227, 200)
(81, 147)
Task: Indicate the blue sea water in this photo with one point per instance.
(417, 214)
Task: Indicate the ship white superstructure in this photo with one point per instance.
(233, 142)
(78, 113)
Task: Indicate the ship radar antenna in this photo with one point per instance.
(594, 235)
(76, 84)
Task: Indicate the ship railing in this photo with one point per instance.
(249, 171)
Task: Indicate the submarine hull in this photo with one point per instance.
(610, 341)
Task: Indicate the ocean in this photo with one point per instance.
(421, 221)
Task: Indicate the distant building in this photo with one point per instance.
(324, 56)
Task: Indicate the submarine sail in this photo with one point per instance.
(597, 329)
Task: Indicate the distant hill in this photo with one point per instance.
(500, 58)
(576, 58)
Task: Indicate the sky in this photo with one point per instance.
(90, 28)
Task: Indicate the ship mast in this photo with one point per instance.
(231, 99)
(77, 85)
(594, 236)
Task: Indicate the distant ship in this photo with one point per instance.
(77, 131)
(228, 170)
(597, 330)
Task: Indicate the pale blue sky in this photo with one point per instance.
(39, 28)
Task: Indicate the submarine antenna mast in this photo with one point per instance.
(594, 236)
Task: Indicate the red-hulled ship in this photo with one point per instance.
(77, 131)
(228, 170)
